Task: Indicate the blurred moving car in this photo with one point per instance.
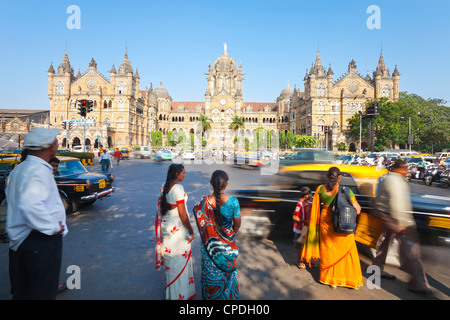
(76, 185)
(78, 149)
(307, 156)
(188, 155)
(269, 208)
(249, 160)
(162, 155)
(143, 152)
(125, 152)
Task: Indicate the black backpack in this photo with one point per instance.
(343, 212)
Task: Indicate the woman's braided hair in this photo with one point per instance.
(174, 170)
(218, 181)
(332, 178)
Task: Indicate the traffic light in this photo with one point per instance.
(82, 107)
(326, 129)
(64, 125)
(372, 109)
(70, 125)
(375, 108)
(90, 105)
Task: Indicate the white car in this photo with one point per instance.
(188, 155)
(78, 149)
(143, 152)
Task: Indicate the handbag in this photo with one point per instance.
(343, 213)
(301, 239)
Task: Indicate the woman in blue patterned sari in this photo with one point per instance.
(218, 219)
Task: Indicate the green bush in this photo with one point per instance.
(79, 155)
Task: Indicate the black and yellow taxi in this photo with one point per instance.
(270, 207)
(77, 185)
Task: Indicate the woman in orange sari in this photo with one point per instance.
(339, 259)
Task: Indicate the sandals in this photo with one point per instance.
(301, 265)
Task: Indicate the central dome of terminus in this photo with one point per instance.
(225, 63)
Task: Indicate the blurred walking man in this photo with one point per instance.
(393, 205)
(36, 220)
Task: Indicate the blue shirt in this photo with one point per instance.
(229, 211)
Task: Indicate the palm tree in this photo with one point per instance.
(205, 122)
(237, 123)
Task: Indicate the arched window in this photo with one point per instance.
(321, 90)
(59, 88)
(121, 105)
(320, 106)
(120, 122)
(386, 91)
(121, 87)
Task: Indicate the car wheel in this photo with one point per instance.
(66, 204)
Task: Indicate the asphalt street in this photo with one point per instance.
(112, 243)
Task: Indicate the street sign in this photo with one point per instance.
(81, 122)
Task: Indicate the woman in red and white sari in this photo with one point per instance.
(173, 237)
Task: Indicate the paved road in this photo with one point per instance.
(112, 243)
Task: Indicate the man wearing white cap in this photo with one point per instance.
(36, 220)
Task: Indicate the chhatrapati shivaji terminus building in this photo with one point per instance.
(123, 114)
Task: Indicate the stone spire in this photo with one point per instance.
(381, 67)
(113, 69)
(318, 69)
(51, 70)
(330, 71)
(93, 64)
(396, 73)
(65, 65)
(125, 67)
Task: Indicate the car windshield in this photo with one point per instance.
(71, 167)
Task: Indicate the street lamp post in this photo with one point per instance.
(409, 136)
(360, 125)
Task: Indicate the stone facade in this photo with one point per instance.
(123, 114)
(331, 103)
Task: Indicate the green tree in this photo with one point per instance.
(341, 146)
(156, 138)
(305, 141)
(390, 125)
(237, 123)
(282, 140)
(432, 127)
(290, 139)
(205, 123)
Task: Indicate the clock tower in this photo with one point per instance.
(224, 91)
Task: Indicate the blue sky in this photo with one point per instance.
(173, 42)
